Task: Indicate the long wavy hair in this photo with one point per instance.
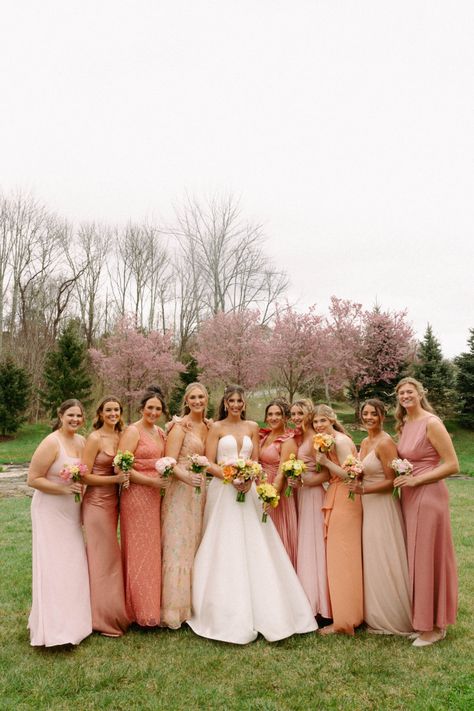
(230, 390)
(326, 411)
(378, 406)
(99, 419)
(72, 402)
(185, 409)
(400, 411)
(307, 406)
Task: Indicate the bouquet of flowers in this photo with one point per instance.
(241, 470)
(293, 468)
(268, 495)
(73, 472)
(198, 464)
(354, 470)
(164, 467)
(323, 443)
(124, 460)
(401, 467)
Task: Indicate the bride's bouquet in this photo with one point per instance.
(401, 467)
(354, 470)
(293, 468)
(73, 472)
(165, 468)
(198, 464)
(239, 471)
(323, 443)
(269, 496)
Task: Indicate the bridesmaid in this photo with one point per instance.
(140, 512)
(100, 518)
(426, 443)
(311, 560)
(276, 445)
(387, 599)
(61, 612)
(182, 508)
(343, 525)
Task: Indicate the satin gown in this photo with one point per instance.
(243, 581)
(284, 515)
(181, 524)
(140, 532)
(431, 557)
(100, 518)
(387, 599)
(61, 611)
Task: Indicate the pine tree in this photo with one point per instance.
(436, 373)
(66, 374)
(190, 375)
(465, 383)
(14, 394)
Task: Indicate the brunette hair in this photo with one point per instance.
(72, 402)
(283, 406)
(328, 412)
(99, 420)
(150, 392)
(378, 406)
(400, 411)
(185, 409)
(230, 390)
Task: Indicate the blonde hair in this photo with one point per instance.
(326, 411)
(185, 409)
(400, 411)
(307, 406)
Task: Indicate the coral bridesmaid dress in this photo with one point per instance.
(141, 537)
(61, 611)
(100, 518)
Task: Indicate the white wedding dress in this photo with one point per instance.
(243, 580)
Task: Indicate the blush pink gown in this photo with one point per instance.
(100, 518)
(431, 558)
(140, 532)
(61, 610)
(311, 560)
(284, 515)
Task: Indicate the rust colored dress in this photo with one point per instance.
(140, 531)
(343, 527)
(181, 522)
(431, 558)
(284, 515)
(100, 519)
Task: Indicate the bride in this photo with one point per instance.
(243, 580)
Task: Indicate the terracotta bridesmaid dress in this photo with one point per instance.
(140, 531)
(100, 518)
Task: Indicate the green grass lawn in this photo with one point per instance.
(178, 670)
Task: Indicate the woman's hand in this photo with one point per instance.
(161, 482)
(122, 478)
(405, 480)
(356, 486)
(196, 479)
(321, 458)
(242, 486)
(294, 483)
(75, 487)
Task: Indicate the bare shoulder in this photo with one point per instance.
(342, 438)
(253, 427)
(436, 426)
(93, 437)
(386, 445)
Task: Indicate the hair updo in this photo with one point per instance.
(151, 392)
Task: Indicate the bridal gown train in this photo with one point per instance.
(243, 581)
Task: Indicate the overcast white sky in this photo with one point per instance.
(346, 128)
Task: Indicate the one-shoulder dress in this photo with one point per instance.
(243, 580)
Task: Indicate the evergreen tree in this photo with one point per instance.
(465, 383)
(190, 375)
(436, 373)
(66, 373)
(14, 394)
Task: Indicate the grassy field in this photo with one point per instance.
(178, 670)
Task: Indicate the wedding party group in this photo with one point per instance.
(238, 530)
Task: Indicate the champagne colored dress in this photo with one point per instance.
(311, 560)
(284, 515)
(140, 532)
(431, 558)
(343, 526)
(387, 599)
(61, 611)
(181, 522)
(100, 518)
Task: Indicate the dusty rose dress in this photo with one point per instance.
(387, 598)
(343, 526)
(431, 559)
(181, 523)
(284, 516)
(61, 611)
(100, 518)
(311, 559)
(141, 537)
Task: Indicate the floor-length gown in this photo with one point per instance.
(181, 524)
(140, 532)
(284, 516)
(387, 599)
(343, 526)
(61, 611)
(311, 560)
(431, 558)
(243, 580)
(100, 518)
